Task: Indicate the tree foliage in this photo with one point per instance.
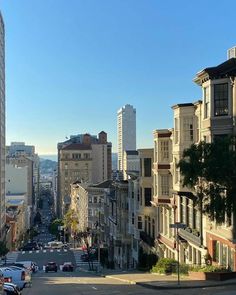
(71, 221)
(210, 169)
(3, 248)
(53, 228)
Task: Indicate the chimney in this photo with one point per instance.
(102, 137)
(231, 52)
(87, 139)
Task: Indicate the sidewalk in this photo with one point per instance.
(156, 281)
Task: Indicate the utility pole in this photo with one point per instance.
(178, 225)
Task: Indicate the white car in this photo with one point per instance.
(16, 275)
(29, 265)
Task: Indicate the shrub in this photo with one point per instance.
(208, 268)
(165, 265)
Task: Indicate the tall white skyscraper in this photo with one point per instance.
(126, 129)
(2, 133)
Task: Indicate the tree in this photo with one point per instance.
(71, 221)
(210, 169)
(3, 248)
(53, 228)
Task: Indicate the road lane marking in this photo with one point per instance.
(30, 252)
(51, 250)
(37, 251)
(65, 250)
(44, 251)
(23, 252)
(58, 250)
(94, 288)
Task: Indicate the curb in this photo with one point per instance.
(121, 280)
(149, 286)
(159, 287)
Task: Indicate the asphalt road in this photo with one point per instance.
(79, 283)
(42, 257)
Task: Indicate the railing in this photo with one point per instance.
(147, 239)
(190, 236)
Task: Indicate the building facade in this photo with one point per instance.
(126, 132)
(2, 133)
(86, 159)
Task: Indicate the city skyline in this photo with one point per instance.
(72, 72)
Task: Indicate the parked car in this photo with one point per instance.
(11, 289)
(29, 265)
(85, 257)
(30, 246)
(51, 266)
(16, 275)
(67, 266)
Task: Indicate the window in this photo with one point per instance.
(147, 167)
(147, 196)
(206, 103)
(90, 213)
(140, 222)
(188, 128)
(197, 130)
(216, 251)
(165, 185)
(153, 228)
(95, 200)
(164, 150)
(221, 99)
(190, 213)
(132, 218)
(176, 130)
(183, 209)
(90, 199)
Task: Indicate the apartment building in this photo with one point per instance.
(130, 162)
(22, 155)
(142, 215)
(218, 85)
(85, 159)
(3, 129)
(201, 241)
(126, 129)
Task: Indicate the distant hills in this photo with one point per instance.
(47, 166)
(49, 162)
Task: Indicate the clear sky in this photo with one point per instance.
(71, 64)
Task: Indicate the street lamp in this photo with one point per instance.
(177, 225)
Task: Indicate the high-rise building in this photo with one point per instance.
(2, 133)
(84, 158)
(126, 128)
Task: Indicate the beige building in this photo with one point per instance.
(85, 159)
(201, 241)
(16, 222)
(2, 134)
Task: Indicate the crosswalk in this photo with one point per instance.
(44, 251)
(11, 257)
(80, 262)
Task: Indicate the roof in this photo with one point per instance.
(104, 184)
(132, 152)
(223, 70)
(77, 146)
(180, 105)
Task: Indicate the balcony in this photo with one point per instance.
(193, 237)
(147, 239)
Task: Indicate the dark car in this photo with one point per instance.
(11, 289)
(51, 266)
(30, 247)
(88, 257)
(67, 266)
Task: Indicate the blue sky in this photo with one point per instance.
(70, 65)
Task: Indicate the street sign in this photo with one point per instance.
(177, 225)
